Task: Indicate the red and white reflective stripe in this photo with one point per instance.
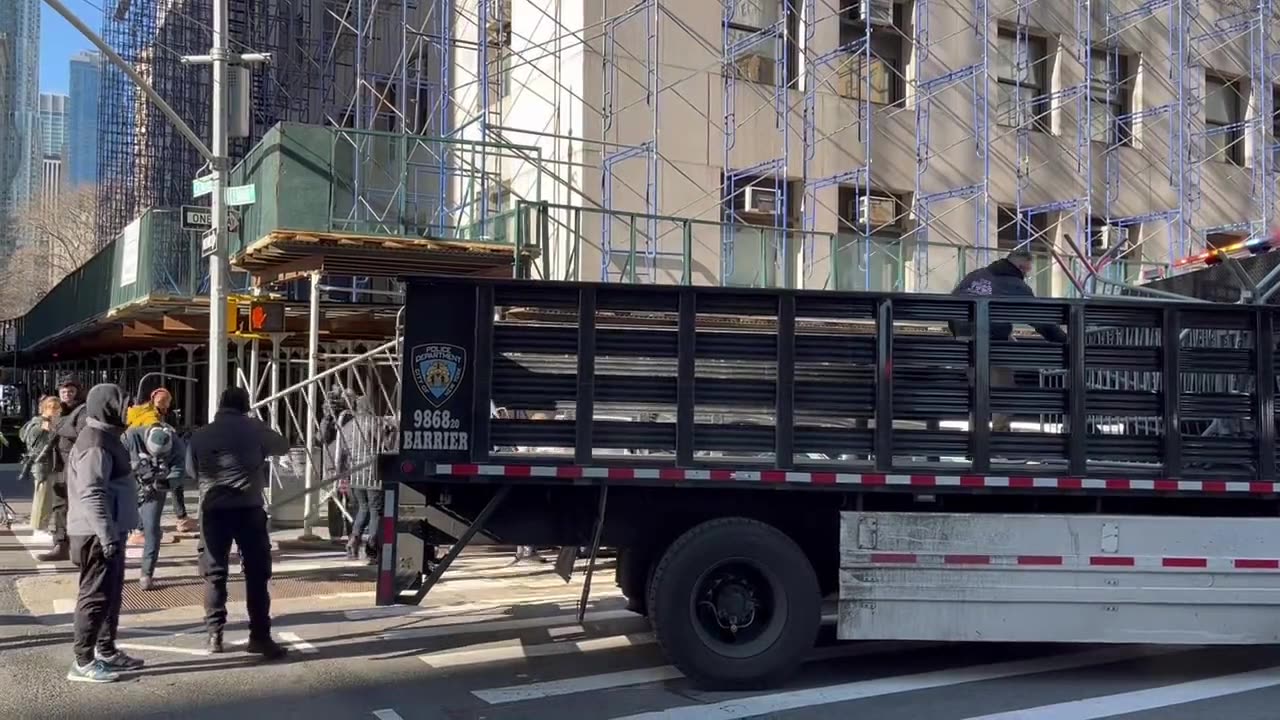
(386, 590)
(1145, 562)
(782, 477)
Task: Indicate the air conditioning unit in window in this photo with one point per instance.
(1110, 236)
(874, 211)
(760, 200)
(879, 12)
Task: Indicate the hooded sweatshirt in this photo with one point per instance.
(1000, 279)
(228, 457)
(68, 426)
(101, 491)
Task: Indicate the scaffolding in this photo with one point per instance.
(756, 113)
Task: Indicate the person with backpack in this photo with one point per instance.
(158, 458)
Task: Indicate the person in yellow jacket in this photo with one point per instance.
(154, 412)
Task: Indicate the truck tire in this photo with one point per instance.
(735, 603)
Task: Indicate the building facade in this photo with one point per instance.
(20, 167)
(53, 124)
(81, 159)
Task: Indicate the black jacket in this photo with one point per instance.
(1000, 279)
(67, 430)
(228, 458)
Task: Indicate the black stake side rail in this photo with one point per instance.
(449, 373)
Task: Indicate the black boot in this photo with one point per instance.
(266, 647)
(61, 552)
(215, 642)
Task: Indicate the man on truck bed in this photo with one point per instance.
(1006, 277)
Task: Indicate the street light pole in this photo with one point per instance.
(218, 211)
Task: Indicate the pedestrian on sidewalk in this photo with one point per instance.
(157, 410)
(70, 422)
(228, 458)
(101, 510)
(158, 457)
(38, 436)
(359, 442)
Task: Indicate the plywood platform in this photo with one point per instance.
(285, 253)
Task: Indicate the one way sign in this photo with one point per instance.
(195, 217)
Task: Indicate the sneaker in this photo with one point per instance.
(95, 672)
(353, 552)
(119, 661)
(266, 647)
(137, 538)
(145, 583)
(187, 525)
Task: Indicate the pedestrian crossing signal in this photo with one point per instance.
(266, 317)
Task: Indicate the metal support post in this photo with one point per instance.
(190, 391)
(313, 369)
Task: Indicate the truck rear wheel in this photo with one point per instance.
(735, 603)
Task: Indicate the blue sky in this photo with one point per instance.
(59, 41)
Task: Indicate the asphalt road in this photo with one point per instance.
(503, 644)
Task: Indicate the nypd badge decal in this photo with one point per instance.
(437, 370)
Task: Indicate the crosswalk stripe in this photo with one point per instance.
(518, 650)
(760, 705)
(143, 647)
(475, 625)
(297, 643)
(1150, 699)
(506, 601)
(570, 686)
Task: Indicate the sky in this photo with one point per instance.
(59, 41)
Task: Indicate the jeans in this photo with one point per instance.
(97, 613)
(247, 528)
(150, 512)
(179, 499)
(368, 515)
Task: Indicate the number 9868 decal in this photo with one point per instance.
(434, 420)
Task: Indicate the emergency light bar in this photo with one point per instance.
(1214, 256)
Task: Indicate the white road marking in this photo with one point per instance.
(560, 599)
(556, 632)
(297, 643)
(517, 650)
(761, 705)
(387, 714)
(1131, 702)
(47, 568)
(588, 683)
(473, 625)
(64, 606)
(161, 648)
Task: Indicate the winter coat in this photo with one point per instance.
(1000, 279)
(101, 491)
(68, 428)
(228, 458)
(172, 467)
(144, 416)
(38, 440)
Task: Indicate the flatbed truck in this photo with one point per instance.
(748, 452)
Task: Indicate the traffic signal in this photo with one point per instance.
(266, 317)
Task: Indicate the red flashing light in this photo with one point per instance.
(407, 467)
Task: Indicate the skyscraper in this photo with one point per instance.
(53, 125)
(20, 156)
(81, 165)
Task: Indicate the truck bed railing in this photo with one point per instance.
(782, 379)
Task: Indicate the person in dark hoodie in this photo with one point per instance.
(1006, 277)
(101, 511)
(70, 422)
(228, 458)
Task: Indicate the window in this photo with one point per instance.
(1032, 234)
(1022, 94)
(1275, 130)
(1223, 118)
(1111, 98)
(756, 59)
(885, 71)
(868, 261)
(1112, 241)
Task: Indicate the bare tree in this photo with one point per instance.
(62, 229)
(23, 274)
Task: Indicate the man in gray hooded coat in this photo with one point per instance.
(102, 508)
